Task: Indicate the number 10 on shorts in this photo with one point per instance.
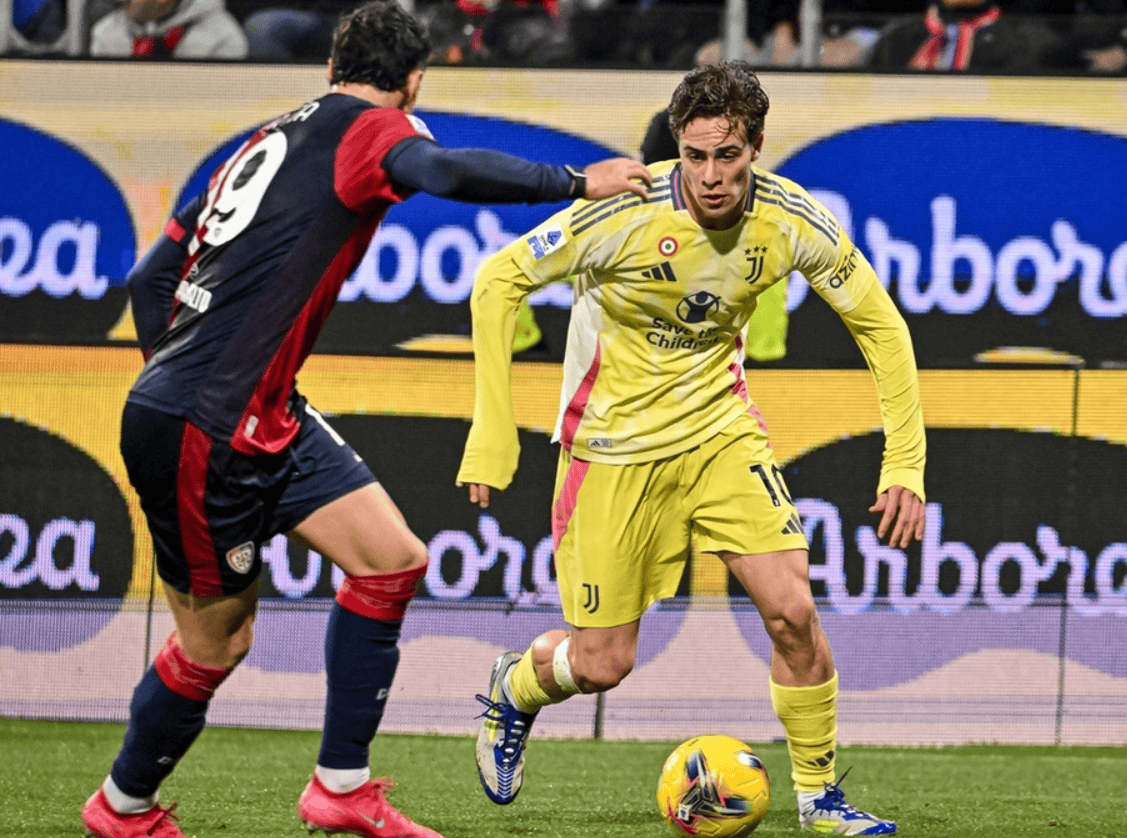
(778, 489)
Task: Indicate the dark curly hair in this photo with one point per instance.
(729, 89)
(379, 44)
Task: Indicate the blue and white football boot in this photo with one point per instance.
(502, 736)
(831, 814)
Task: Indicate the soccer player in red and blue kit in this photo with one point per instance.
(225, 453)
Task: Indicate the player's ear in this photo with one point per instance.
(411, 88)
(757, 148)
(329, 70)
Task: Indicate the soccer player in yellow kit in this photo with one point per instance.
(661, 444)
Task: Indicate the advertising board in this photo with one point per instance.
(990, 207)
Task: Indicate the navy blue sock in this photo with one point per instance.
(361, 655)
(162, 726)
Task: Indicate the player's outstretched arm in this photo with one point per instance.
(611, 177)
(480, 175)
(902, 510)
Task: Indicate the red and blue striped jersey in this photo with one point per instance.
(283, 223)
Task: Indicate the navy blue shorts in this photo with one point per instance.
(211, 511)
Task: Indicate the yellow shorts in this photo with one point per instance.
(622, 532)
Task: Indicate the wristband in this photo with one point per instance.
(578, 182)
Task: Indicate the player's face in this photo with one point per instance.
(716, 169)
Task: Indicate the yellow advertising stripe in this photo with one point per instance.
(435, 387)
(1102, 405)
(76, 393)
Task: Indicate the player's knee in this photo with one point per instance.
(410, 554)
(793, 624)
(417, 555)
(239, 644)
(596, 674)
(224, 652)
(544, 647)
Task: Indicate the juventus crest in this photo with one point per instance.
(753, 263)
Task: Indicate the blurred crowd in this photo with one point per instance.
(989, 36)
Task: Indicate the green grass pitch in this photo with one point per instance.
(245, 783)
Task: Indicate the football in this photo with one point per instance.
(713, 786)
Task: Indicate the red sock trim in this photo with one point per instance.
(184, 676)
(383, 596)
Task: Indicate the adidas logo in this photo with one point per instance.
(793, 527)
(660, 273)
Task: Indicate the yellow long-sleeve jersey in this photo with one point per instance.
(654, 357)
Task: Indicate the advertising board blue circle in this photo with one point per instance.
(987, 233)
(67, 241)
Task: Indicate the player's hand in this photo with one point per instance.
(479, 493)
(902, 510)
(611, 177)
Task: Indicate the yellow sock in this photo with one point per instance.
(524, 687)
(809, 717)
